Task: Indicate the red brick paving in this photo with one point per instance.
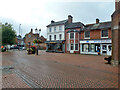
(65, 70)
(12, 81)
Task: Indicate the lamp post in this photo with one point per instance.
(38, 32)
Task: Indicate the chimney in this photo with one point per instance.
(31, 30)
(70, 19)
(52, 21)
(97, 21)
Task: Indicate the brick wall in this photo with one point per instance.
(96, 34)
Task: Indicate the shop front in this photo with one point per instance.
(102, 47)
(55, 46)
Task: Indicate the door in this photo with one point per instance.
(109, 49)
(71, 48)
(104, 49)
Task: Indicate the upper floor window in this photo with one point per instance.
(50, 30)
(87, 34)
(54, 37)
(60, 36)
(50, 37)
(104, 33)
(60, 28)
(72, 35)
(54, 29)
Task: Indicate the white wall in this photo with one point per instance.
(52, 33)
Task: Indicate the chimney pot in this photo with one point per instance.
(52, 21)
(31, 30)
(70, 18)
(97, 21)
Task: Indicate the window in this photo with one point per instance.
(50, 37)
(85, 47)
(87, 34)
(54, 37)
(72, 47)
(92, 47)
(54, 29)
(97, 47)
(60, 28)
(76, 46)
(71, 35)
(104, 33)
(60, 36)
(50, 30)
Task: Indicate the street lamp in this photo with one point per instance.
(38, 32)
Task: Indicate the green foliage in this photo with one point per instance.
(37, 41)
(8, 34)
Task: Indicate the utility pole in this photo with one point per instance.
(19, 28)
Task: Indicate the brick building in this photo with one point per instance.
(96, 38)
(89, 39)
(72, 35)
(30, 37)
(116, 34)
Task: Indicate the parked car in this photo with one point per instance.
(12, 47)
(24, 48)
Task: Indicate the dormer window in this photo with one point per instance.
(87, 35)
(104, 34)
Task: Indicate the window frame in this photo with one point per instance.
(50, 37)
(102, 34)
(54, 29)
(60, 28)
(59, 36)
(73, 35)
(50, 29)
(55, 37)
(77, 46)
(85, 34)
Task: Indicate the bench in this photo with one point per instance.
(108, 59)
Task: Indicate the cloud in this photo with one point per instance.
(39, 13)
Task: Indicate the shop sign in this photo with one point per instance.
(96, 41)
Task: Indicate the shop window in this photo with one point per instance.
(76, 46)
(104, 47)
(87, 34)
(104, 33)
(97, 47)
(109, 48)
(92, 47)
(85, 47)
(50, 37)
(54, 37)
(71, 35)
(72, 47)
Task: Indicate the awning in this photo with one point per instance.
(58, 41)
(73, 31)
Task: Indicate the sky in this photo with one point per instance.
(39, 13)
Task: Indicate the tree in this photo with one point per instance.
(8, 34)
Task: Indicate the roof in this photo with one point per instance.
(57, 23)
(103, 25)
(74, 25)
